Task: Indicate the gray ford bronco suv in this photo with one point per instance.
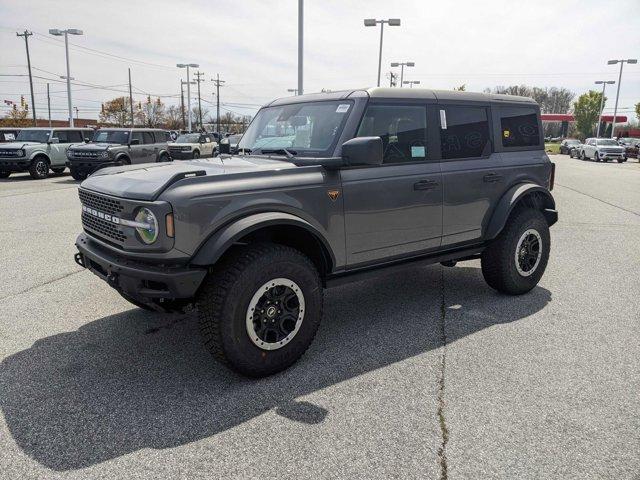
(118, 146)
(327, 188)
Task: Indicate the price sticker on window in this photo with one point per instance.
(343, 107)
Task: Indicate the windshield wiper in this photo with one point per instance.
(278, 151)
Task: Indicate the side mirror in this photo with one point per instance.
(54, 140)
(134, 141)
(362, 151)
(87, 140)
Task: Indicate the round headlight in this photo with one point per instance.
(21, 153)
(148, 231)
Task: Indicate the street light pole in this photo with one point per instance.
(411, 83)
(293, 90)
(300, 45)
(615, 109)
(402, 65)
(59, 33)
(604, 84)
(372, 22)
(188, 65)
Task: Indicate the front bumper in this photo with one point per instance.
(88, 166)
(179, 155)
(136, 279)
(14, 164)
(607, 156)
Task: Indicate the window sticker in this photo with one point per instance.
(506, 133)
(418, 152)
(443, 120)
(343, 107)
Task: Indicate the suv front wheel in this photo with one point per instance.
(259, 309)
(515, 261)
(39, 168)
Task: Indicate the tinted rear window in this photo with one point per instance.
(519, 127)
(466, 134)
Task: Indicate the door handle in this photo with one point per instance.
(492, 177)
(425, 185)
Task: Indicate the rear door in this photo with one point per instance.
(472, 174)
(150, 151)
(137, 153)
(394, 209)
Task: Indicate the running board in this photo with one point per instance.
(367, 273)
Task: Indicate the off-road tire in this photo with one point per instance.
(620, 160)
(195, 154)
(5, 174)
(224, 298)
(58, 170)
(39, 168)
(596, 157)
(498, 259)
(164, 158)
(77, 175)
(582, 155)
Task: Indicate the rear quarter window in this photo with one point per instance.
(519, 127)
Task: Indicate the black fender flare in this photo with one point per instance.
(222, 239)
(120, 157)
(511, 198)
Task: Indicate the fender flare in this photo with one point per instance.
(39, 153)
(222, 239)
(120, 156)
(509, 201)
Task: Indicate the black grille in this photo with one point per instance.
(9, 153)
(85, 153)
(98, 202)
(103, 227)
(610, 150)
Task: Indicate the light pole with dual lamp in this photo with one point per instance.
(66, 33)
(402, 65)
(372, 22)
(411, 83)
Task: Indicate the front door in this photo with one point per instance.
(394, 209)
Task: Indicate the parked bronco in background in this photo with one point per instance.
(332, 188)
(36, 150)
(118, 146)
(193, 145)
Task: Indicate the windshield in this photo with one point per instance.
(608, 142)
(189, 138)
(629, 140)
(234, 138)
(41, 136)
(111, 136)
(305, 128)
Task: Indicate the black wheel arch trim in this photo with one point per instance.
(511, 198)
(222, 239)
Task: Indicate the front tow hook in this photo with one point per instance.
(79, 259)
(112, 280)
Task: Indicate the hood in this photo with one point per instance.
(93, 146)
(19, 144)
(148, 180)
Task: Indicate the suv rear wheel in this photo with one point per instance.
(39, 168)
(516, 260)
(260, 308)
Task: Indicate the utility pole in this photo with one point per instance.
(131, 99)
(198, 74)
(218, 83)
(300, 90)
(49, 104)
(26, 34)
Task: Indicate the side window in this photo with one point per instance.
(87, 134)
(147, 137)
(75, 136)
(464, 132)
(403, 130)
(137, 136)
(519, 127)
(62, 136)
(168, 137)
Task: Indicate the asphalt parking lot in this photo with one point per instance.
(429, 374)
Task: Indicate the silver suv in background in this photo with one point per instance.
(602, 150)
(38, 150)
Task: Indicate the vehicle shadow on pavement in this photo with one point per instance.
(140, 380)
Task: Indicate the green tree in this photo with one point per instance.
(587, 111)
(638, 110)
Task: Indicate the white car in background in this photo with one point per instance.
(602, 150)
(193, 145)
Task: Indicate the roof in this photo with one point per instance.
(405, 93)
(55, 128)
(567, 117)
(137, 129)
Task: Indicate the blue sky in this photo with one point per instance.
(252, 45)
